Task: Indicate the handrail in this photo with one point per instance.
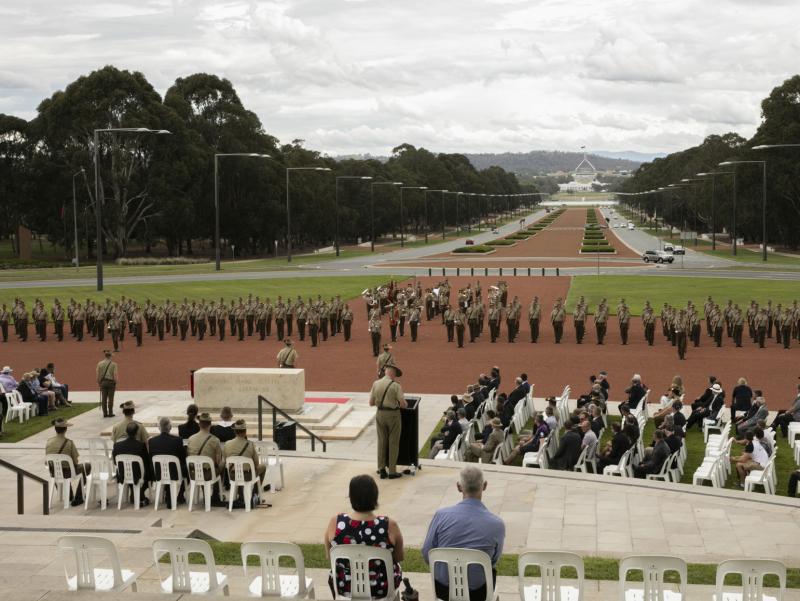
(275, 410)
(21, 475)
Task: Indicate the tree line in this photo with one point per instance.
(160, 188)
(691, 203)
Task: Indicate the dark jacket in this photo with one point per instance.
(742, 398)
(715, 405)
(470, 408)
(635, 394)
(168, 444)
(597, 425)
(620, 443)
(188, 429)
(517, 395)
(657, 459)
(673, 442)
(569, 449)
(224, 433)
(450, 434)
(679, 421)
(131, 446)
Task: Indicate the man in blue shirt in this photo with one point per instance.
(466, 525)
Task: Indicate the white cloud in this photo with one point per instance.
(352, 76)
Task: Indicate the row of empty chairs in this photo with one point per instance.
(272, 581)
(202, 476)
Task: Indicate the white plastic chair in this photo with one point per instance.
(449, 454)
(793, 431)
(182, 579)
(665, 473)
(162, 473)
(538, 458)
(587, 458)
(240, 479)
(87, 577)
(357, 557)
(197, 479)
(653, 568)
(765, 478)
(753, 572)
(99, 446)
(270, 582)
(622, 468)
(269, 455)
(709, 470)
(458, 562)
(17, 407)
(100, 474)
(60, 482)
(550, 565)
(128, 462)
(712, 426)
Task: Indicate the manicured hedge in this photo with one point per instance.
(519, 236)
(597, 249)
(501, 242)
(476, 249)
(596, 243)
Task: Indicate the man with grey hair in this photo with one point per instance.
(447, 435)
(636, 392)
(169, 444)
(466, 525)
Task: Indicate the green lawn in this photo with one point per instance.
(15, 431)
(676, 291)
(346, 286)
(596, 568)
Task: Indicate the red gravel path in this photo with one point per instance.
(432, 365)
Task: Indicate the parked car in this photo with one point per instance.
(470, 242)
(668, 248)
(679, 250)
(630, 225)
(657, 256)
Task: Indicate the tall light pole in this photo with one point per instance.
(289, 207)
(769, 147)
(763, 199)
(338, 177)
(217, 156)
(691, 181)
(711, 175)
(75, 214)
(426, 212)
(402, 221)
(98, 202)
(372, 209)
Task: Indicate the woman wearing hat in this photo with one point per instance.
(708, 410)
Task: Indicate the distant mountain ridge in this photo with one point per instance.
(542, 162)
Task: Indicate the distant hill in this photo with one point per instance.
(542, 162)
(631, 155)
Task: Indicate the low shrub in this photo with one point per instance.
(518, 236)
(476, 249)
(597, 249)
(163, 261)
(501, 242)
(31, 264)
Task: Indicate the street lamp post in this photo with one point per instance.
(763, 199)
(289, 208)
(402, 222)
(217, 156)
(98, 202)
(690, 181)
(427, 227)
(75, 214)
(372, 209)
(338, 177)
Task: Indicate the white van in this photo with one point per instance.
(630, 225)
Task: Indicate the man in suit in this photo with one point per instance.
(569, 448)
(517, 394)
(223, 429)
(169, 444)
(447, 435)
(657, 457)
(761, 413)
(131, 445)
(486, 451)
(635, 392)
(615, 449)
(708, 410)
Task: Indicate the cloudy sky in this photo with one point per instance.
(362, 76)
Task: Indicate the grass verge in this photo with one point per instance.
(15, 431)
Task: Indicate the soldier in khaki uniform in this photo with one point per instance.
(760, 327)
(385, 359)
(241, 447)
(222, 318)
(785, 325)
(737, 320)
(681, 333)
(61, 445)
(375, 327)
(557, 316)
(58, 320)
(118, 431)
(287, 356)
(205, 444)
(459, 321)
(387, 396)
(600, 321)
(495, 315)
(579, 321)
(347, 323)
(280, 317)
(624, 319)
(534, 315)
(649, 323)
(5, 316)
(107, 381)
(413, 322)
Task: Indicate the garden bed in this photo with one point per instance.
(477, 249)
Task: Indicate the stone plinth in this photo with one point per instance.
(239, 387)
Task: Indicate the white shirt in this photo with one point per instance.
(53, 381)
(551, 421)
(759, 453)
(589, 438)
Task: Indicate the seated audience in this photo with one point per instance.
(615, 448)
(61, 445)
(132, 445)
(30, 395)
(659, 454)
(461, 415)
(759, 415)
(707, 395)
(363, 526)
(166, 443)
(486, 451)
(525, 384)
(120, 429)
(598, 423)
(467, 525)
(550, 417)
(241, 447)
(529, 444)
(447, 435)
(630, 425)
(709, 409)
(517, 394)
(784, 418)
(487, 428)
(49, 373)
(190, 427)
(677, 383)
(470, 407)
(455, 403)
(224, 428)
(754, 457)
(7, 380)
(46, 385)
(204, 443)
(636, 392)
(569, 447)
(589, 437)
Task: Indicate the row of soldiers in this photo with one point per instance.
(244, 318)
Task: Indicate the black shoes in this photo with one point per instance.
(382, 474)
(394, 476)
